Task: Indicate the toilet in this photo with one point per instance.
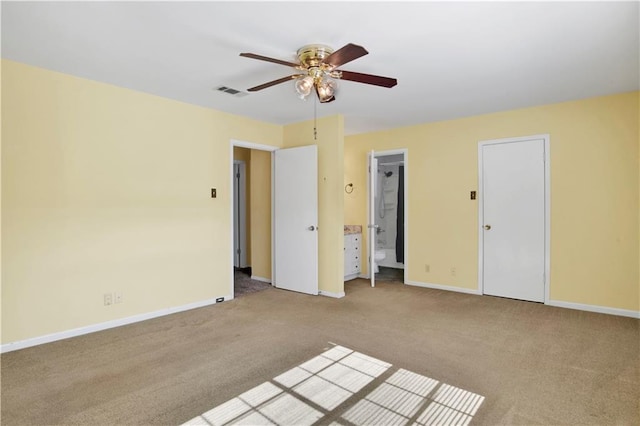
(379, 255)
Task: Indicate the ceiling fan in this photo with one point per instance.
(318, 69)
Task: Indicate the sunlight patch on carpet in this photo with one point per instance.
(351, 388)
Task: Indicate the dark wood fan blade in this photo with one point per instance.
(265, 58)
(274, 82)
(345, 54)
(376, 80)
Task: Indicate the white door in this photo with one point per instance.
(373, 169)
(239, 215)
(513, 216)
(296, 219)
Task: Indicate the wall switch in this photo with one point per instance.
(108, 299)
(117, 297)
(213, 193)
(473, 195)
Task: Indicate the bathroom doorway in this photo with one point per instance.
(389, 216)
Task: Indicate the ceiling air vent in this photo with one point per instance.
(234, 92)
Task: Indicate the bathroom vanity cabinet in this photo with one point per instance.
(352, 255)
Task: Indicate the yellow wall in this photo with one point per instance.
(261, 214)
(106, 189)
(244, 154)
(330, 200)
(1, 274)
(594, 195)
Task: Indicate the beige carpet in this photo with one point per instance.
(532, 364)
(243, 284)
(344, 387)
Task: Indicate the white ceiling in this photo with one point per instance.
(451, 59)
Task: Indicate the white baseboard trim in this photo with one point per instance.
(556, 303)
(34, 341)
(443, 287)
(263, 279)
(331, 294)
(594, 308)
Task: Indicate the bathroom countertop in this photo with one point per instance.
(352, 229)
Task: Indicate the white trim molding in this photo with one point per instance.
(34, 341)
(444, 287)
(594, 308)
(262, 279)
(252, 145)
(331, 294)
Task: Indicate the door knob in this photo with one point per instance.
(487, 227)
(311, 228)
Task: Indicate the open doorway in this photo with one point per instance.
(242, 271)
(388, 208)
(251, 211)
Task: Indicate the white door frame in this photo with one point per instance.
(405, 156)
(371, 219)
(259, 147)
(547, 209)
(240, 214)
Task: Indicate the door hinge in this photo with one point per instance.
(238, 251)
(238, 175)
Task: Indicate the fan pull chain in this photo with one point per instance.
(315, 119)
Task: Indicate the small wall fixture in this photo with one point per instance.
(348, 188)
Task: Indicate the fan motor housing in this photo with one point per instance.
(312, 54)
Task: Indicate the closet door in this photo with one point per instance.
(296, 219)
(513, 216)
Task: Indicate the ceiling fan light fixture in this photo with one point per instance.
(318, 67)
(304, 86)
(326, 90)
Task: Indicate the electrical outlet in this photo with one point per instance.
(108, 299)
(117, 297)
(427, 268)
(453, 271)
